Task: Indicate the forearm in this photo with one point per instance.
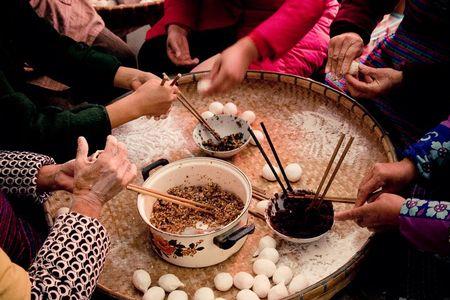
(19, 174)
(426, 224)
(123, 111)
(57, 269)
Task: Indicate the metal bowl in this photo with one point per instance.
(224, 125)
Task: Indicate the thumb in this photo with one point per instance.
(82, 150)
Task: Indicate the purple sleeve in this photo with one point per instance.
(426, 224)
(431, 154)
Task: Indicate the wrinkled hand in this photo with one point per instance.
(379, 214)
(56, 177)
(375, 82)
(140, 78)
(391, 177)
(342, 50)
(152, 99)
(178, 46)
(98, 181)
(132, 79)
(230, 67)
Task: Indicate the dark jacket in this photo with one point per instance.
(24, 124)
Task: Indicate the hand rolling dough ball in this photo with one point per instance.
(261, 206)
(154, 293)
(270, 254)
(278, 292)
(204, 293)
(62, 211)
(223, 281)
(207, 114)
(283, 274)
(354, 68)
(246, 295)
(141, 280)
(248, 116)
(264, 266)
(216, 108)
(169, 282)
(293, 172)
(298, 283)
(178, 295)
(230, 109)
(259, 135)
(243, 280)
(203, 85)
(261, 286)
(268, 174)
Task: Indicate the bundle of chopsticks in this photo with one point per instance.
(189, 106)
(171, 198)
(319, 197)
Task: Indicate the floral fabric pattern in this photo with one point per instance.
(18, 172)
(431, 152)
(439, 210)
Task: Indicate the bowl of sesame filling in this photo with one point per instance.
(190, 238)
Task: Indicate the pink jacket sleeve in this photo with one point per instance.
(293, 20)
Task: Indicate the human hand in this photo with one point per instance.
(230, 67)
(379, 214)
(96, 182)
(342, 50)
(56, 177)
(375, 82)
(178, 46)
(152, 99)
(132, 79)
(391, 177)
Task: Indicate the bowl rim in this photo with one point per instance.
(233, 151)
(220, 231)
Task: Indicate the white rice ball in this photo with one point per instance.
(354, 68)
(268, 174)
(259, 136)
(223, 281)
(248, 116)
(293, 172)
(216, 108)
(207, 114)
(230, 109)
(261, 206)
(204, 293)
(264, 266)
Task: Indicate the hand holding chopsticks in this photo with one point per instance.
(171, 198)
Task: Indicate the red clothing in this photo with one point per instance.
(276, 27)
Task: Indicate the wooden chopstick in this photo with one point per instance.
(174, 81)
(259, 198)
(330, 163)
(195, 113)
(277, 158)
(263, 153)
(171, 198)
(260, 190)
(341, 159)
(164, 79)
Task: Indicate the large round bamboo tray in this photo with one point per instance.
(124, 16)
(304, 118)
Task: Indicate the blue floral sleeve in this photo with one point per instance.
(426, 224)
(431, 153)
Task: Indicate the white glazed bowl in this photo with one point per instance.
(205, 249)
(224, 125)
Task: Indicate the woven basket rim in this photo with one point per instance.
(351, 266)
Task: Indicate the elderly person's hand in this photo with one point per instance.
(230, 67)
(132, 79)
(178, 46)
(390, 177)
(375, 82)
(96, 182)
(342, 50)
(383, 212)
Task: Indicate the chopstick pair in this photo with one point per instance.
(277, 158)
(189, 106)
(317, 195)
(171, 198)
